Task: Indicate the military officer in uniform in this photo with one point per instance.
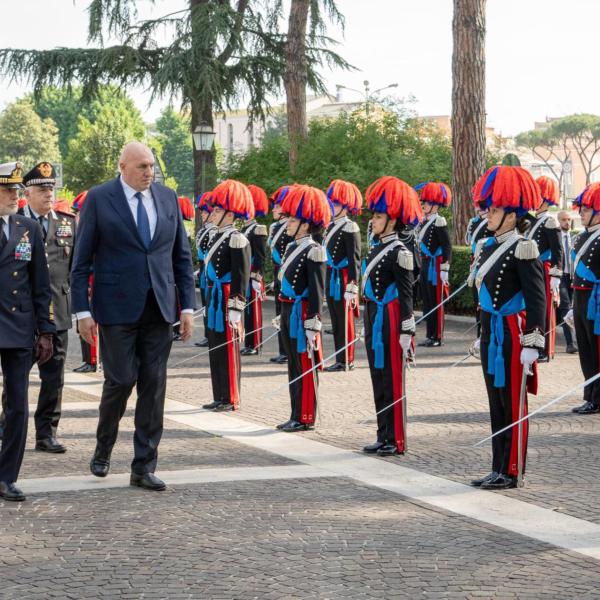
(58, 230)
(342, 244)
(26, 330)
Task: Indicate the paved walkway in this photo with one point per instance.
(255, 513)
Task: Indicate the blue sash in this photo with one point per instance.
(593, 307)
(335, 282)
(377, 334)
(546, 256)
(216, 318)
(276, 256)
(495, 350)
(296, 325)
(431, 273)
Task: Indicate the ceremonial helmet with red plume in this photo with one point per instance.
(204, 203)
(79, 200)
(548, 190)
(308, 204)
(260, 200)
(434, 192)
(510, 188)
(279, 194)
(345, 194)
(186, 207)
(233, 196)
(590, 197)
(22, 203)
(395, 198)
(62, 205)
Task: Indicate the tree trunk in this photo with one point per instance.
(468, 107)
(295, 77)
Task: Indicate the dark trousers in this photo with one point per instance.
(566, 303)
(225, 363)
(135, 355)
(587, 342)
(16, 364)
(303, 393)
(432, 296)
(276, 290)
(204, 302)
(52, 376)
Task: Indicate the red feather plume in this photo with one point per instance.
(396, 198)
(186, 207)
(62, 206)
(204, 202)
(436, 193)
(347, 194)
(260, 200)
(591, 197)
(279, 194)
(308, 204)
(235, 197)
(548, 189)
(22, 203)
(508, 187)
(79, 200)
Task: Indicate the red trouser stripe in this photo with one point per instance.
(233, 355)
(440, 291)
(393, 310)
(257, 317)
(350, 320)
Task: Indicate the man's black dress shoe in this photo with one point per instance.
(10, 492)
(431, 343)
(387, 450)
(488, 477)
(148, 481)
(279, 360)
(589, 409)
(224, 407)
(249, 351)
(292, 426)
(282, 425)
(501, 482)
(211, 405)
(572, 349)
(202, 343)
(51, 445)
(576, 409)
(424, 343)
(99, 466)
(85, 368)
(338, 366)
(543, 358)
(372, 448)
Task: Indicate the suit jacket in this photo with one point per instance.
(59, 244)
(24, 285)
(109, 243)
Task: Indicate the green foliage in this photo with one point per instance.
(24, 136)
(462, 303)
(176, 149)
(94, 152)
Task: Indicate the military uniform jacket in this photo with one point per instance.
(278, 241)
(546, 234)
(305, 271)
(408, 237)
(203, 239)
(586, 248)
(434, 238)
(60, 241)
(343, 242)
(25, 294)
(229, 253)
(476, 230)
(394, 268)
(256, 234)
(516, 270)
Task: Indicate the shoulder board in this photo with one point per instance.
(481, 242)
(551, 223)
(238, 240)
(440, 222)
(65, 214)
(527, 250)
(272, 226)
(351, 227)
(317, 254)
(260, 230)
(405, 260)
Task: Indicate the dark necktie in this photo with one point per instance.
(143, 224)
(3, 238)
(567, 261)
(44, 232)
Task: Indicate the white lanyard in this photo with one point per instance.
(377, 260)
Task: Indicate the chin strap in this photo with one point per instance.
(591, 219)
(297, 229)
(221, 219)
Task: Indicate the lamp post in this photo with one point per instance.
(366, 93)
(204, 139)
(159, 176)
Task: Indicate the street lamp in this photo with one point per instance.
(204, 139)
(368, 95)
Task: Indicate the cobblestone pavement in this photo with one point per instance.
(304, 538)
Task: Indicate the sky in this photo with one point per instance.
(541, 54)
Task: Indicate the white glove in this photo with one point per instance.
(528, 357)
(276, 322)
(350, 298)
(475, 349)
(256, 286)
(555, 284)
(477, 344)
(311, 338)
(202, 311)
(569, 319)
(234, 316)
(444, 277)
(406, 344)
(362, 333)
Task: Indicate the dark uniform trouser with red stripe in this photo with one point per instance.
(253, 320)
(337, 308)
(588, 344)
(225, 362)
(504, 401)
(302, 392)
(432, 295)
(276, 290)
(387, 383)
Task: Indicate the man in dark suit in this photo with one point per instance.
(58, 230)
(25, 324)
(131, 234)
(566, 289)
